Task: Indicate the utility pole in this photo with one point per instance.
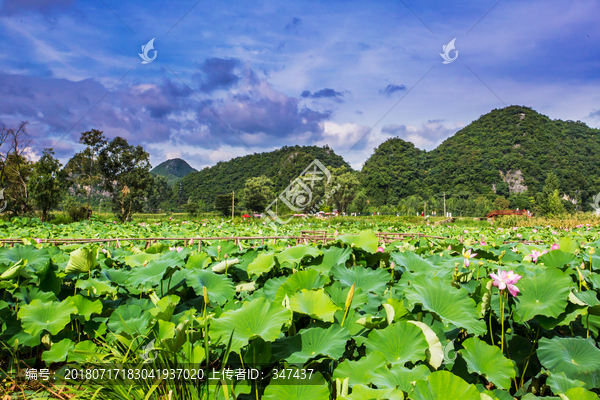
(232, 203)
(276, 204)
(445, 215)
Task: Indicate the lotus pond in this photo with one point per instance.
(420, 318)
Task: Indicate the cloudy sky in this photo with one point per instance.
(238, 77)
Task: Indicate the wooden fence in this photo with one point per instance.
(304, 238)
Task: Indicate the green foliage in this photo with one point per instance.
(281, 166)
(343, 186)
(340, 308)
(46, 185)
(125, 170)
(515, 141)
(257, 194)
(501, 203)
(223, 203)
(76, 211)
(548, 201)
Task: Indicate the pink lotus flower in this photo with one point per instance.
(536, 254)
(554, 232)
(506, 280)
(335, 233)
(519, 235)
(381, 249)
(482, 243)
(204, 224)
(514, 228)
(534, 230)
(467, 255)
(555, 246)
(38, 241)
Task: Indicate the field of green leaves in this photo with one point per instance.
(487, 313)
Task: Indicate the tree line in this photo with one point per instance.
(118, 169)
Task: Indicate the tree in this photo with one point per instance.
(83, 167)
(223, 203)
(160, 195)
(47, 183)
(549, 202)
(554, 205)
(257, 193)
(343, 187)
(126, 176)
(360, 201)
(501, 203)
(15, 168)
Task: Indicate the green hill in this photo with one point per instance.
(505, 152)
(173, 170)
(281, 166)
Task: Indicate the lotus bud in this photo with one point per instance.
(225, 256)
(47, 341)
(480, 263)
(205, 295)
(350, 296)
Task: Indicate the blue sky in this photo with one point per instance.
(240, 77)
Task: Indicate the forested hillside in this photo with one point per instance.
(507, 152)
(280, 166)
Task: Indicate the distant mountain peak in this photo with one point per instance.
(173, 169)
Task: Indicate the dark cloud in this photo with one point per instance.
(217, 73)
(389, 89)
(293, 26)
(166, 112)
(323, 93)
(11, 7)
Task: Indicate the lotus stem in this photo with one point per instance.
(502, 321)
(392, 267)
